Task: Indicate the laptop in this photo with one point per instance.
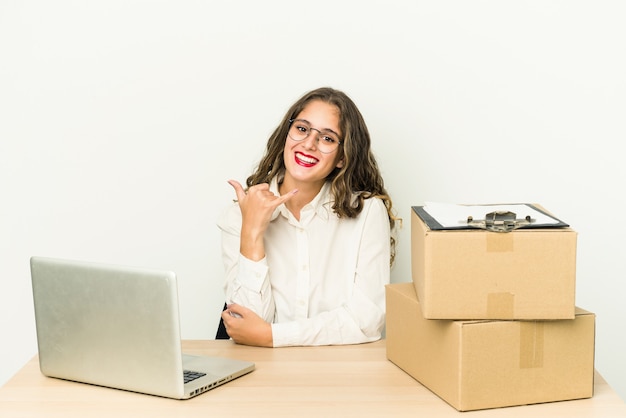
(118, 327)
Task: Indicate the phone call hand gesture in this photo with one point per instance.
(257, 205)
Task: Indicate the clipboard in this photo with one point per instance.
(495, 221)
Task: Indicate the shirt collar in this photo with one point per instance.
(321, 204)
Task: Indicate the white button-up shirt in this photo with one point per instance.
(323, 278)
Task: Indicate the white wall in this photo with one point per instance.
(120, 122)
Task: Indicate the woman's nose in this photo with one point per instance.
(310, 141)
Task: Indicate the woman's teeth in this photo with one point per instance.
(304, 158)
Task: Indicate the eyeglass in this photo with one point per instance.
(327, 141)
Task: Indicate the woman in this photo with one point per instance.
(307, 247)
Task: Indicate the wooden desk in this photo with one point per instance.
(343, 381)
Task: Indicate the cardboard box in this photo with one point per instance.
(489, 364)
(479, 274)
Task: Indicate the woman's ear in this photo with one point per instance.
(339, 163)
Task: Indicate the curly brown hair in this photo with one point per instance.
(359, 176)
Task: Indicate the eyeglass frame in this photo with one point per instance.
(291, 121)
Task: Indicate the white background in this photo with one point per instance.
(120, 122)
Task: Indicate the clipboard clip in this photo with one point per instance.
(500, 221)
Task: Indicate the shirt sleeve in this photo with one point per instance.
(362, 318)
(247, 282)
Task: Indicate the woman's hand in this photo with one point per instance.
(246, 327)
(257, 206)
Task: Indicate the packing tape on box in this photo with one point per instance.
(499, 242)
(530, 344)
(500, 305)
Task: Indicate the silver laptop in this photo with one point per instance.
(118, 327)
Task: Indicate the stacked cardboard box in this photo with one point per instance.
(489, 319)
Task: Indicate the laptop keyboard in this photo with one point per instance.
(189, 375)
